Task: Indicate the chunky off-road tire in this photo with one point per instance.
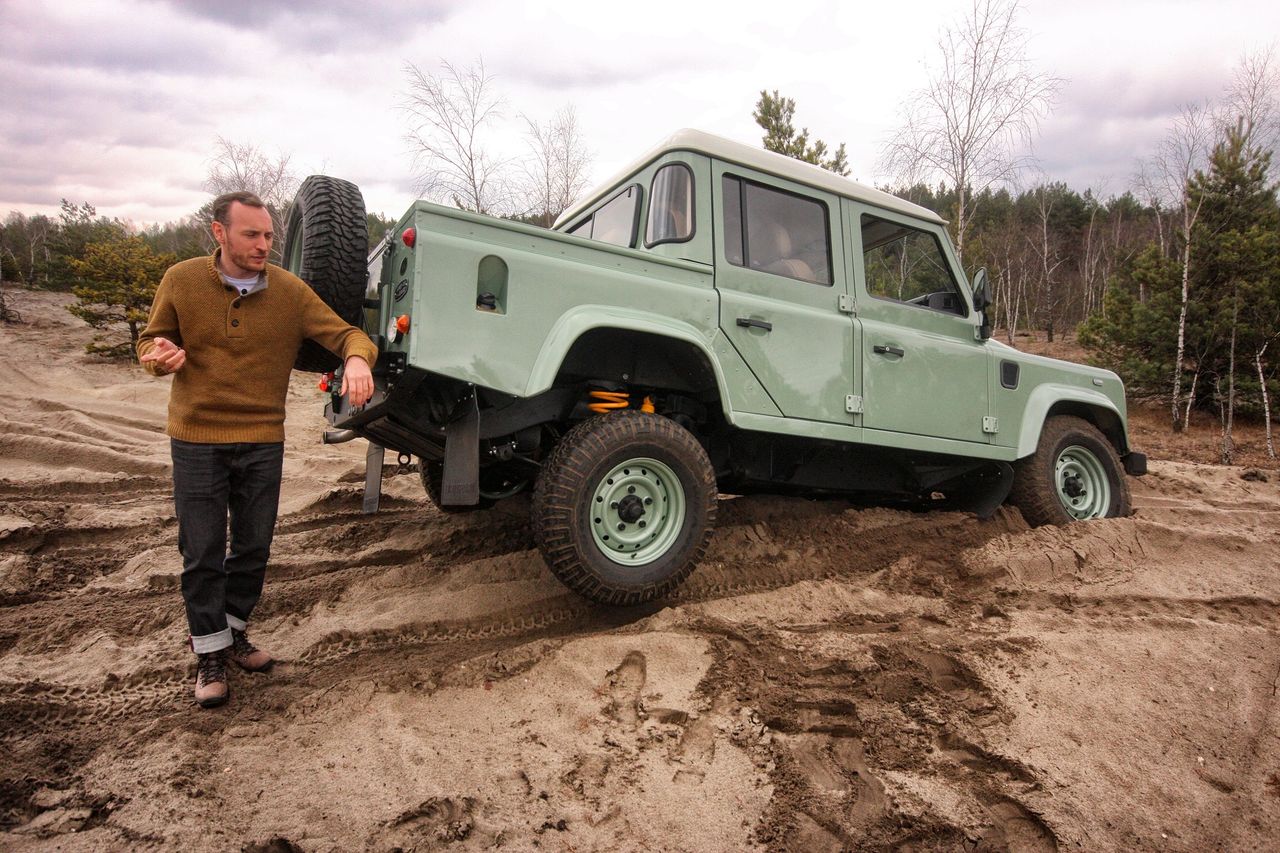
(624, 507)
(1074, 475)
(326, 244)
(495, 485)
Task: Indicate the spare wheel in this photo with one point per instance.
(326, 244)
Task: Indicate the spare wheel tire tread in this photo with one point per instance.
(328, 216)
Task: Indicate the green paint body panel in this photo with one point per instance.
(548, 288)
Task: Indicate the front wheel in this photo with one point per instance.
(1074, 475)
(624, 507)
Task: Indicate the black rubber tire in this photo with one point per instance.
(326, 244)
(562, 505)
(432, 476)
(1035, 492)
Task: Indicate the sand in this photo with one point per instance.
(831, 678)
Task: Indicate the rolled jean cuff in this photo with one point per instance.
(207, 643)
(236, 622)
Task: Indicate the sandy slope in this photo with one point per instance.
(830, 679)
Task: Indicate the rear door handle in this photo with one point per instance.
(751, 322)
(882, 349)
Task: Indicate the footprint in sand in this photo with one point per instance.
(623, 686)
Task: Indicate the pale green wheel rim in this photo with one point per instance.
(1082, 483)
(637, 511)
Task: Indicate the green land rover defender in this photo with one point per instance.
(715, 319)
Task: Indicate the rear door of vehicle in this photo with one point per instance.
(781, 273)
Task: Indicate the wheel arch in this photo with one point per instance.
(1050, 400)
(630, 347)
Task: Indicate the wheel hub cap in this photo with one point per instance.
(630, 509)
(637, 511)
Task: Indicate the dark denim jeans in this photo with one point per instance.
(211, 481)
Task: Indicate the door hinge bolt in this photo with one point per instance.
(991, 426)
(846, 304)
(853, 404)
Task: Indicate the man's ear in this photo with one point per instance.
(219, 233)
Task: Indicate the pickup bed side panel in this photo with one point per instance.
(554, 284)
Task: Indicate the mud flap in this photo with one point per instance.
(460, 484)
(982, 491)
(372, 477)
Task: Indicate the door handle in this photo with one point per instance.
(881, 349)
(751, 322)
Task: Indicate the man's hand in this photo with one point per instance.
(167, 357)
(357, 381)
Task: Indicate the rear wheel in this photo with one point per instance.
(1074, 475)
(326, 245)
(624, 507)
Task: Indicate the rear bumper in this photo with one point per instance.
(1135, 463)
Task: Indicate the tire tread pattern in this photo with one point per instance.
(328, 216)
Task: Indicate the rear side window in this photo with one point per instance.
(776, 232)
(670, 206)
(615, 221)
(906, 264)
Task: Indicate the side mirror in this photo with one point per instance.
(982, 301)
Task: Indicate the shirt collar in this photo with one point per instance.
(253, 285)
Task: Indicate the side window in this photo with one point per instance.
(615, 221)
(670, 206)
(906, 264)
(776, 232)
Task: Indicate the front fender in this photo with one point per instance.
(1045, 397)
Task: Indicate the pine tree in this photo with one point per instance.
(117, 282)
(1237, 280)
(775, 115)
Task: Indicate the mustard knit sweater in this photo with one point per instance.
(240, 349)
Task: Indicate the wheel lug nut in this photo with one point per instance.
(613, 505)
(631, 490)
(622, 527)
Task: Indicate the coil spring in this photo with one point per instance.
(608, 401)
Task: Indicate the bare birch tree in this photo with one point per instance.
(243, 166)
(556, 172)
(1167, 176)
(973, 122)
(1254, 96)
(450, 115)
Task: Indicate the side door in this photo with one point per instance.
(924, 368)
(781, 273)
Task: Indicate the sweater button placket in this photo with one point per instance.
(233, 316)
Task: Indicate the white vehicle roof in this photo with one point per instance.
(761, 160)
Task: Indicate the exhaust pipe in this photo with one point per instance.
(339, 436)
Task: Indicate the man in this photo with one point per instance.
(228, 328)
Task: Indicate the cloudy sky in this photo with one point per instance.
(119, 102)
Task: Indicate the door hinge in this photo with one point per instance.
(846, 304)
(991, 426)
(853, 404)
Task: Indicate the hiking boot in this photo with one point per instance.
(246, 655)
(211, 680)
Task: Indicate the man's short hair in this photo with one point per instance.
(222, 205)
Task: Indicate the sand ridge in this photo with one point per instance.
(832, 678)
